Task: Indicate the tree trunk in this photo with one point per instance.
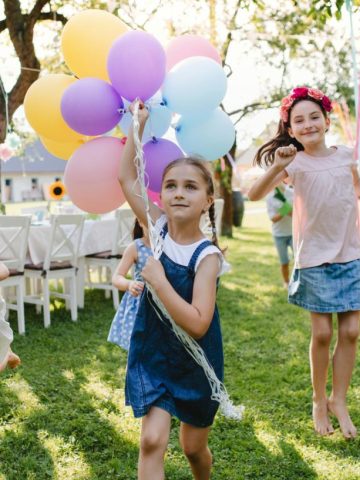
(226, 193)
(21, 31)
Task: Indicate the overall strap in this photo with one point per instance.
(195, 255)
(164, 231)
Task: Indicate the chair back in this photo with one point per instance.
(125, 219)
(205, 223)
(14, 232)
(65, 237)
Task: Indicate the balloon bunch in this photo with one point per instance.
(74, 115)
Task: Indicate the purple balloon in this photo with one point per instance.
(158, 154)
(136, 65)
(91, 106)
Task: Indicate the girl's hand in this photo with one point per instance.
(153, 272)
(143, 112)
(284, 156)
(135, 288)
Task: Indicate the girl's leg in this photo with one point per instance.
(155, 430)
(321, 333)
(343, 364)
(285, 274)
(194, 442)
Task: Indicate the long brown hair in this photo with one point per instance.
(266, 154)
(138, 232)
(206, 174)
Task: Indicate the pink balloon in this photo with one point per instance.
(91, 175)
(189, 46)
(155, 198)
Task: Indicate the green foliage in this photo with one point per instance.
(62, 413)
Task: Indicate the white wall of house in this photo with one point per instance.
(22, 187)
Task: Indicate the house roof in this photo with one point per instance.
(34, 159)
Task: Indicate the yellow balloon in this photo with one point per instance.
(86, 40)
(63, 150)
(42, 107)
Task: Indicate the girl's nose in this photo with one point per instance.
(179, 193)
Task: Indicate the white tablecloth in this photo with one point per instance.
(97, 237)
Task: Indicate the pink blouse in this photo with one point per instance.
(325, 214)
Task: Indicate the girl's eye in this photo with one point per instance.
(169, 185)
(191, 187)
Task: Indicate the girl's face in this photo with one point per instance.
(308, 124)
(184, 193)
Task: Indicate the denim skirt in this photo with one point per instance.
(328, 288)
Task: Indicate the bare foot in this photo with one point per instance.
(339, 409)
(321, 419)
(13, 360)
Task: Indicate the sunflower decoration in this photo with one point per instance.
(57, 190)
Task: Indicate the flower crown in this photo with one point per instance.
(303, 92)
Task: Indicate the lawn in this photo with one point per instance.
(62, 414)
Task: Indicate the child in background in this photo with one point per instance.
(279, 207)
(326, 278)
(135, 255)
(163, 379)
(7, 357)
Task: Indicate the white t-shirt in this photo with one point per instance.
(282, 228)
(182, 254)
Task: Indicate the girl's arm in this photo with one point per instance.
(356, 180)
(128, 175)
(194, 317)
(119, 280)
(275, 175)
(4, 272)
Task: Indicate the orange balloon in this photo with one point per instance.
(86, 40)
(63, 150)
(42, 107)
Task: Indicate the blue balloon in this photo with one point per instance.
(157, 124)
(208, 136)
(194, 85)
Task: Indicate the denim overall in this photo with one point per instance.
(160, 371)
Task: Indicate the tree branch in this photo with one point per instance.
(54, 16)
(231, 26)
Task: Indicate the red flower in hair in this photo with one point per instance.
(326, 103)
(300, 92)
(303, 92)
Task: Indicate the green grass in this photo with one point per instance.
(62, 414)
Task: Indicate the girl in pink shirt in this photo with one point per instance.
(326, 236)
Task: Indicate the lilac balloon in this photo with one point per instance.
(91, 106)
(136, 65)
(158, 154)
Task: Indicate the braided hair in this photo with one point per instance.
(206, 174)
(138, 232)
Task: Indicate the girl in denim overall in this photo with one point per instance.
(162, 379)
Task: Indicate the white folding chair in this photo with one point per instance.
(108, 260)
(205, 223)
(14, 231)
(60, 263)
